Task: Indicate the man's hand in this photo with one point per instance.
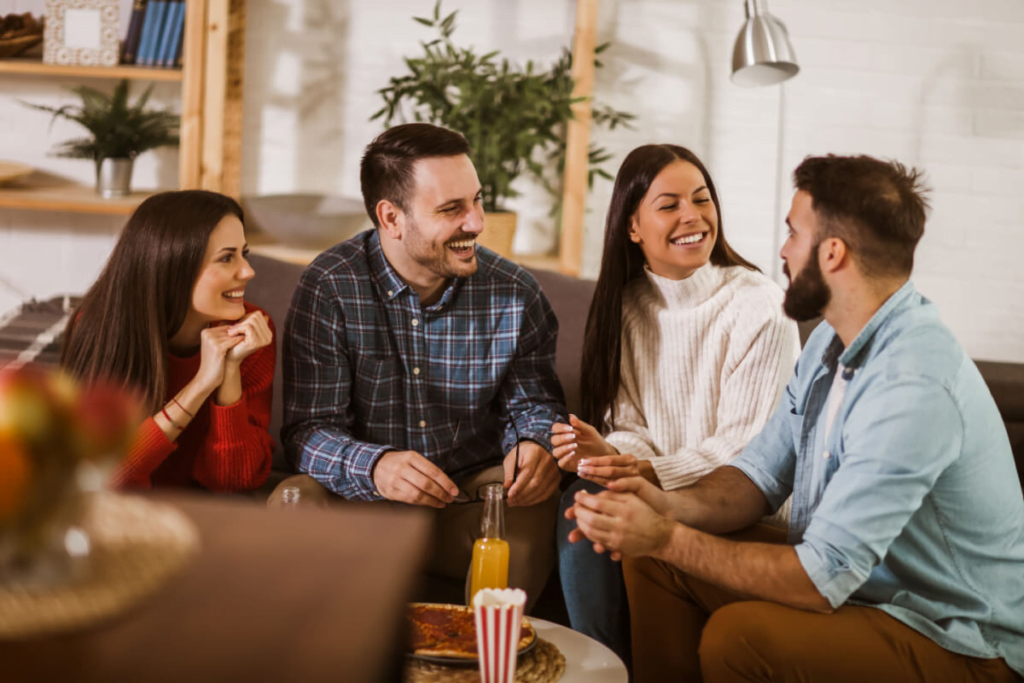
(607, 468)
(577, 440)
(408, 477)
(538, 475)
(619, 522)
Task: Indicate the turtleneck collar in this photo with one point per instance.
(690, 292)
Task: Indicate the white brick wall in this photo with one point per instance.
(938, 84)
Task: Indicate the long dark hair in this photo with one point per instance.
(621, 262)
(121, 329)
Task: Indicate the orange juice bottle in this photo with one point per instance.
(489, 566)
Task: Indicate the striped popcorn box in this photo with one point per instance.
(499, 618)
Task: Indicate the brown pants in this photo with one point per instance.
(688, 630)
(530, 532)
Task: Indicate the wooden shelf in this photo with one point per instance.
(50, 195)
(35, 67)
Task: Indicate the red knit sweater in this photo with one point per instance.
(224, 448)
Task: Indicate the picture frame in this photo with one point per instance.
(82, 33)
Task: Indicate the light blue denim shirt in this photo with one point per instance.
(911, 502)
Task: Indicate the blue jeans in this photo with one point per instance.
(595, 595)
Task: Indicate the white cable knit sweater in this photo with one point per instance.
(704, 363)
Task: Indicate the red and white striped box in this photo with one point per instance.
(499, 619)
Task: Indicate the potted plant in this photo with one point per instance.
(120, 132)
(514, 118)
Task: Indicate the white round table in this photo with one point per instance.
(586, 660)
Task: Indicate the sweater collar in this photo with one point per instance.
(690, 292)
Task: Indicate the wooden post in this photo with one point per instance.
(574, 192)
(191, 145)
(231, 165)
(214, 89)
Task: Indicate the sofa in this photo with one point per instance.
(570, 298)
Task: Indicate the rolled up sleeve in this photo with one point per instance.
(906, 432)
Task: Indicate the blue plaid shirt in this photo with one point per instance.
(368, 369)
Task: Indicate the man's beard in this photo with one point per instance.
(434, 256)
(808, 293)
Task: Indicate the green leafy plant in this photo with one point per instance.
(514, 118)
(119, 130)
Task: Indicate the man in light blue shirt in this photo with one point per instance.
(905, 555)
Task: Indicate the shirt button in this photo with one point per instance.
(826, 455)
(415, 322)
(415, 371)
(423, 423)
(391, 293)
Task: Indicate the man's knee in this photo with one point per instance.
(738, 636)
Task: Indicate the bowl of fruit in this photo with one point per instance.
(59, 441)
(18, 33)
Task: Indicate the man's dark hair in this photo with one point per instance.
(876, 207)
(386, 171)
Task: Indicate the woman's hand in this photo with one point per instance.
(606, 468)
(576, 440)
(215, 344)
(253, 331)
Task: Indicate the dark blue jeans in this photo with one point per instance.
(595, 595)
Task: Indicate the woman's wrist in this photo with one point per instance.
(230, 389)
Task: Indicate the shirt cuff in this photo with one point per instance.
(828, 568)
(774, 490)
(625, 442)
(229, 422)
(541, 438)
(364, 457)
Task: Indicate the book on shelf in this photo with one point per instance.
(155, 11)
(166, 30)
(181, 37)
(175, 32)
(131, 41)
(147, 32)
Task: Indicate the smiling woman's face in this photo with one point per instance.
(676, 223)
(218, 291)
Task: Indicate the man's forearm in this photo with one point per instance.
(722, 502)
(758, 570)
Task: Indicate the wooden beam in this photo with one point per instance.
(191, 146)
(214, 89)
(574, 192)
(231, 170)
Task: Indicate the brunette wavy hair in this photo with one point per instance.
(121, 330)
(621, 262)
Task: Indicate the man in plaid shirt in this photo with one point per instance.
(418, 368)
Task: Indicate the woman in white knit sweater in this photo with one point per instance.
(686, 353)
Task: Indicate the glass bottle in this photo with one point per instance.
(290, 497)
(489, 566)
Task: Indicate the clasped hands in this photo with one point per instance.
(630, 518)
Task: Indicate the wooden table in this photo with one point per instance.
(273, 595)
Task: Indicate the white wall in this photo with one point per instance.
(935, 83)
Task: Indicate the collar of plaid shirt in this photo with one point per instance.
(483, 354)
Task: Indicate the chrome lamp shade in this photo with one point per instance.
(763, 54)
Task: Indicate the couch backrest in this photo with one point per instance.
(272, 290)
(570, 298)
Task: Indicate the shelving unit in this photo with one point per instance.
(35, 67)
(210, 132)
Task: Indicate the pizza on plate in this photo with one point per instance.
(450, 631)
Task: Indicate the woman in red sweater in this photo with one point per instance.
(167, 316)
